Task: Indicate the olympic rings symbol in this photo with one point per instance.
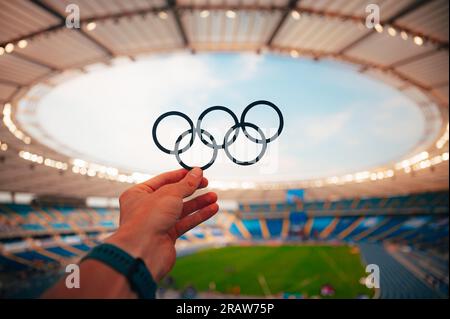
(228, 140)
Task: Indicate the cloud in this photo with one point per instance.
(248, 65)
(397, 109)
(323, 127)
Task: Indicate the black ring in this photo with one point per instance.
(216, 108)
(263, 142)
(280, 128)
(173, 113)
(226, 142)
(190, 131)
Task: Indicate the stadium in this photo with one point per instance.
(358, 177)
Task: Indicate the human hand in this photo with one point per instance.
(153, 215)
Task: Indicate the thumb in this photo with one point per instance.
(189, 184)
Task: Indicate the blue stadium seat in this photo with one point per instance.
(32, 227)
(342, 224)
(254, 228)
(82, 247)
(364, 225)
(7, 265)
(61, 251)
(234, 230)
(320, 223)
(32, 255)
(275, 226)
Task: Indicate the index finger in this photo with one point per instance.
(165, 178)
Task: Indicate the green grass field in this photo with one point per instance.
(294, 269)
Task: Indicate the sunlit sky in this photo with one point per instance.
(336, 119)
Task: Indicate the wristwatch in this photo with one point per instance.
(134, 269)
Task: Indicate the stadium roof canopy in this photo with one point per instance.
(407, 50)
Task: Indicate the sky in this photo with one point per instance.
(336, 120)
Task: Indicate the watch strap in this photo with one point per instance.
(134, 269)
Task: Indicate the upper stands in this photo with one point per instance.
(25, 220)
(425, 203)
(417, 219)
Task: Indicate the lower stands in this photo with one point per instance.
(396, 281)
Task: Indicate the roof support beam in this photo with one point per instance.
(364, 64)
(412, 59)
(105, 49)
(408, 9)
(55, 13)
(10, 83)
(416, 57)
(34, 61)
(34, 34)
(172, 5)
(439, 85)
(284, 16)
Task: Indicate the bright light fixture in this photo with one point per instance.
(392, 32)
(231, 14)
(204, 14)
(91, 26)
(404, 35)
(9, 48)
(379, 28)
(418, 40)
(295, 15)
(294, 54)
(163, 15)
(22, 44)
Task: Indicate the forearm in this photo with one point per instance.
(97, 280)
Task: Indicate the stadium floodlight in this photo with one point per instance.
(79, 162)
(436, 160)
(392, 32)
(443, 139)
(230, 14)
(379, 28)
(6, 197)
(22, 44)
(418, 40)
(23, 198)
(163, 15)
(295, 15)
(91, 26)
(204, 13)
(9, 48)
(404, 35)
(294, 54)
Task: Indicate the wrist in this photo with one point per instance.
(138, 248)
